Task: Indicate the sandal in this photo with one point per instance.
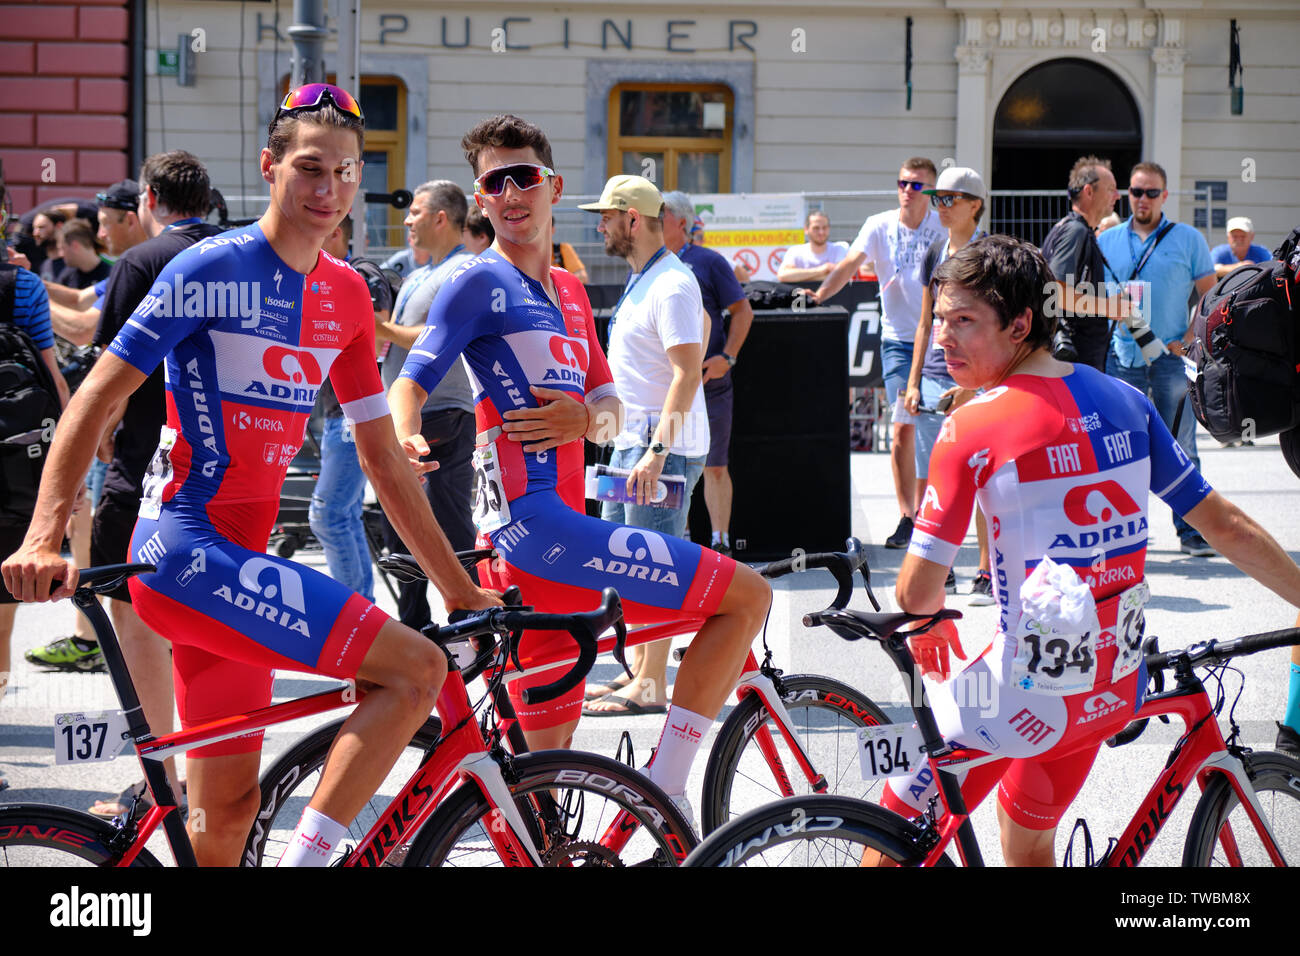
(139, 794)
(627, 708)
(597, 691)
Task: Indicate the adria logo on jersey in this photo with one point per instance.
(288, 374)
(637, 544)
(1105, 503)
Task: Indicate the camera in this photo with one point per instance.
(1138, 327)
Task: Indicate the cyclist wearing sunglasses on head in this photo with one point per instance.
(1069, 482)
(518, 324)
(248, 324)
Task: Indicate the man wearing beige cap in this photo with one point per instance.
(1239, 249)
(656, 351)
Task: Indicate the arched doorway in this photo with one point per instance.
(1049, 117)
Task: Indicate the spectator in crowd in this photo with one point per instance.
(478, 234)
(174, 198)
(959, 198)
(83, 266)
(119, 224)
(564, 256)
(812, 261)
(896, 241)
(656, 354)
(1169, 260)
(436, 222)
(1107, 222)
(405, 261)
(1239, 249)
(23, 303)
(1071, 250)
(45, 230)
(339, 496)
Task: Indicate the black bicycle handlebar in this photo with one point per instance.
(106, 578)
(841, 564)
(1211, 652)
(407, 570)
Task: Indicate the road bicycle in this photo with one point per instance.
(787, 734)
(1248, 812)
(549, 808)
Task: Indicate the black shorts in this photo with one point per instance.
(110, 537)
(719, 407)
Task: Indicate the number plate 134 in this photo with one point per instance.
(89, 737)
(890, 750)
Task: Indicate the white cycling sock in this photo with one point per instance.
(680, 741)
(313, 843)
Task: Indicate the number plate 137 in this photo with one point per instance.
(890, 750)
(89, 738)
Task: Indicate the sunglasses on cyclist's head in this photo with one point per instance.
(915, 185)
(1137, 192)
(524, 175)
(314, 96)
(947, 201)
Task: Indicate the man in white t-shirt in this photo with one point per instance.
(656, 353)
(895, 241)
(815, 258)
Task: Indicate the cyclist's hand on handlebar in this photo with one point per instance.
(475, 599)
(30, 574)
(931, 649)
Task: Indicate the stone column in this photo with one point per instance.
(1165, 141)
(974, 116)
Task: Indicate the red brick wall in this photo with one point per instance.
(63, 115)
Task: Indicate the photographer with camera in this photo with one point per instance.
(1159, 262)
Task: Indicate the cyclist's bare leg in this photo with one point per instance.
(1022, 846)
(551, 738)
(149, 659)
(7, 612)
(224, 799)
(717, 654)
(402, 674)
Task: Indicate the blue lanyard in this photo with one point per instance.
(182, 222)
(613, 317)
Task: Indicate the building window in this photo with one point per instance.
(383, 101)
(678, 135)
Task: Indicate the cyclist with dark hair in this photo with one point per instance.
(1070, 480)
(248, 324)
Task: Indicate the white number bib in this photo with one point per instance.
(890, 750)
(1050, 662)
(89, 737)
(1128, 630)
(160, 472)
(491, 509)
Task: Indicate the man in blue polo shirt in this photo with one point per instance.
(1240, 248)
(1170, 260)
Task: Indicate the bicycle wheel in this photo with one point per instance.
(591, 791)
(812, 830)
(1221, 833)
(289, 783)
(39, 835)
(826, 715)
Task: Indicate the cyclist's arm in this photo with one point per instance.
(920, 585)
(76, 325)
(30, 570)
(1241, 540)
(405, 399)
(385, 463)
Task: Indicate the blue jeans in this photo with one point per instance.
(1165, 383)
(335, 513)
(928, 426)
(895, 366)
(664, 520)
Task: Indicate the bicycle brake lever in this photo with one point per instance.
(620, 645)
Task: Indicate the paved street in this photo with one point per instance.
(1193, 599)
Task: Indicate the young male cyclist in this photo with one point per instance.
(264, 316)
(517, 323)
(1072, 476)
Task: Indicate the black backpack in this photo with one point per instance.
(1247, 380)
(29, 407)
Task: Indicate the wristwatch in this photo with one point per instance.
(659, 449)
(731, 359)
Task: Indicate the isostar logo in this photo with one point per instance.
(1104, 503)
(277, 599)
(296, 375)
(262, 423)
(1099, 705)
(637, 544)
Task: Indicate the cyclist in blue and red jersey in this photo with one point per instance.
(248, 324)
(517, 322)
(1069, 482)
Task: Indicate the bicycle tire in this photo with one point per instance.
(34, 834)
(827, 714)
(288, 784)
(1276, 779)
(813, 830)
(456, 835)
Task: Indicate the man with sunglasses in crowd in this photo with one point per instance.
(1160, 263)
(896, 241)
